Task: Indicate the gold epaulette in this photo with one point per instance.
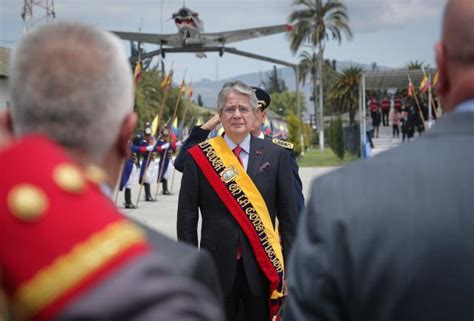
(282, 143)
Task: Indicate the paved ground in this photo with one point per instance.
(161, 215)
(385, 141)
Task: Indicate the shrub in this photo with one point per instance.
(335, 139)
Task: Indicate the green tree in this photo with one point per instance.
(149, 97)
(344, 92)
(315, 22)
(294, 132)
(335, 139)
(275, 83)
(308, 66)
(308, 133)
(285, 103)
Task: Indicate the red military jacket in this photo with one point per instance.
(59, 234)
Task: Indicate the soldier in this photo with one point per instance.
(130, 171)
(166, 153)
(385, 106)
(145, 177)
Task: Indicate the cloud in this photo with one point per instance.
(375, 15)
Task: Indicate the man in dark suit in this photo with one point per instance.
(186, 260)
(409, 256)
(200, 134)
(233, 192)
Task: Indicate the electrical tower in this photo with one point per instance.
(43, 11)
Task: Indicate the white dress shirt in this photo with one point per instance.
(245, 145)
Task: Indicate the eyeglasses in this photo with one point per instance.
(230, 110)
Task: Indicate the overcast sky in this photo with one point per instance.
(388, 32)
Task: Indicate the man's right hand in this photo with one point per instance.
(149, 148)
(212, 123)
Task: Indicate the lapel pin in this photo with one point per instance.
(258, 152)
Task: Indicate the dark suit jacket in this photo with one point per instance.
(186, 260)
(220, 231)
(391, 238)
(198, 135)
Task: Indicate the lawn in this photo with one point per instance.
(313, 157)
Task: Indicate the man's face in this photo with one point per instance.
(237, 116)
(260, 115)
(259, 120)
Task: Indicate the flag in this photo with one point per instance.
(137, 74)
(199, 121)
(435, 78)
(166, 82)
(266, 127)
(180, 129)
(154, 126)
(411, 89)
(182, 88)
(424, 84)
(189, 92)
(174, 126)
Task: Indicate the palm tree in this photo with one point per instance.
(315, 23)
(308, 66)
(417, 65)
(344, 93)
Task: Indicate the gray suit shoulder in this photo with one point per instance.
(186, 260)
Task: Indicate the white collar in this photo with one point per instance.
(245, 144)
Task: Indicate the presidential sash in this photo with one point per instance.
(244, 201)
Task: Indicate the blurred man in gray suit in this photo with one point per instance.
(405, 250)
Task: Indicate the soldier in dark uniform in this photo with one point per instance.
(126, 180)
(167, 148)
(146, 161)
(200, 133)
(132, 164)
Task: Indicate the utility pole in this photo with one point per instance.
(36, 11)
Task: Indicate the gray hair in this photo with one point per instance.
(240, 87)
(73, 83)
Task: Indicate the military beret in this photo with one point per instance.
(263, 98)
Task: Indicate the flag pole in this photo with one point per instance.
(137, 77)
(188, 94)
(168, 80)
(429, 97)
(165, 153)
(430, 100)
(417, 103)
